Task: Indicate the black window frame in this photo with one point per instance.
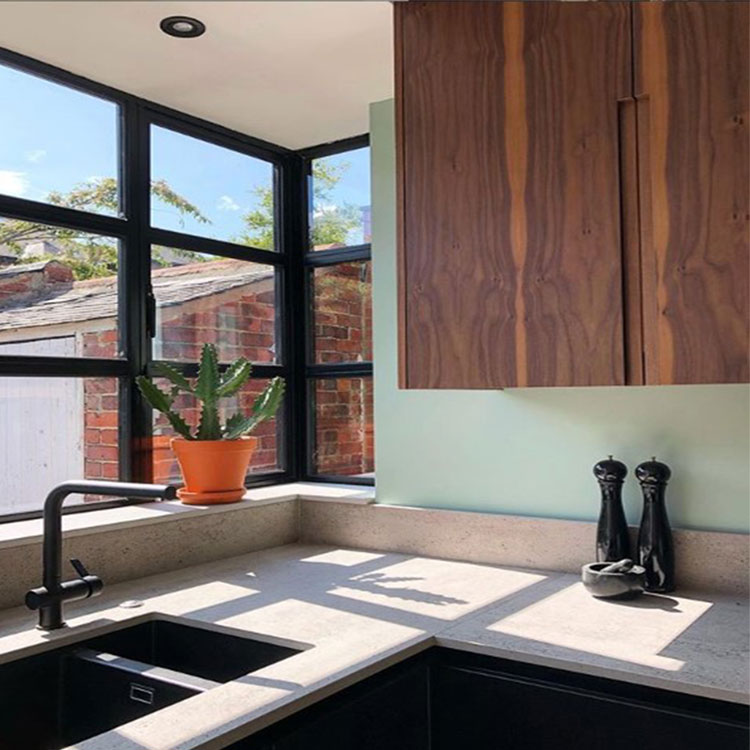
(310, 260)
(290, 258)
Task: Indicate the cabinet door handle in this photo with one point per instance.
(142, 694)
(630, 241)
(649, 250)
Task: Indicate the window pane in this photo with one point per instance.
(210, 191)
(342, 313)
(52, 430)
(268, 455)
(58, 291)
(205, 299)
(57, 145)
(343, 426)
(340, 198)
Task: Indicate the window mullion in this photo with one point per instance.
(69, 218)
(320, 258)
(293, 208)
(345, 388)
(135, 424)
(24, 365)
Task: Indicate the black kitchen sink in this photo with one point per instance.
(64, 696)
(213, 655)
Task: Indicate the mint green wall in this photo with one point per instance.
(530, 451)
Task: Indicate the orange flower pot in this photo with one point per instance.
(214, 470)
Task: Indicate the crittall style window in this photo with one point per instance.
(338, 279)
(132, 234)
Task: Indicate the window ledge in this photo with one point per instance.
(17, 533)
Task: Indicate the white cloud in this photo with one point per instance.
(36, 155)
(13, 183)
(320, 211)
(226, 203)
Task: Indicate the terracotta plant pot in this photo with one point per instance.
(214, 470)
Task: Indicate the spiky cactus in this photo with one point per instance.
(210, 386)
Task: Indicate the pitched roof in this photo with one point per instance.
(95, 299)
(18, 269)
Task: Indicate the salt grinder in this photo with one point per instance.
(612, 540)
(655, 546)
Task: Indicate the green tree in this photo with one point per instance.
(93, 256)
(89, 255)
(331, 223)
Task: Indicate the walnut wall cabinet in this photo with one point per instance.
(573, 193)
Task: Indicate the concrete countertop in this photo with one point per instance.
(361, 611)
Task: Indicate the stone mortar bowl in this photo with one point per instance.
(622, 585)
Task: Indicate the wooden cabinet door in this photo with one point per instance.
(692, 89)
(509, 192)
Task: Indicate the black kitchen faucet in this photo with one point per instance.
(49, 597)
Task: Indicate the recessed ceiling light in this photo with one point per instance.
(182, 26)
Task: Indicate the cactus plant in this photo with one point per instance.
(210, 386)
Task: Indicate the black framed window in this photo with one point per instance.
(337, 271)
(132, 234)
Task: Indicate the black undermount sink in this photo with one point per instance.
(80, 690)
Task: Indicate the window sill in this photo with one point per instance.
(18, 533)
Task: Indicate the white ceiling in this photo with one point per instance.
(293, 73)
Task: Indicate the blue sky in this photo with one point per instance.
(54, 137)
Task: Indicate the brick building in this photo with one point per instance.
(44, 310)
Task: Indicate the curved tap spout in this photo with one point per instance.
(49, 597)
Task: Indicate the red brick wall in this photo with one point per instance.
(16, 285)
(343, 313)
(343, 426)
(343, 333)
(264, 457)
(100, 428)
(101, 412)
(242, 323)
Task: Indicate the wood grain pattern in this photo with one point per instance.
(398, 79)
(692, 89)
(631, 242)
(459, 287)
(510, 206)
(516, 153)
(577, 67)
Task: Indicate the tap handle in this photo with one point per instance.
(79, 567)
(94, 584)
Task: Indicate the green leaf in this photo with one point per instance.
(179, 425)
(234, 426)
(229, 373)
(174, 376)
(267, 403)
(163, 402)
(239, 425)
(154, 395)
(88, 257)
(208, 375)
(209, 427)
(264, 408)
(234, 378)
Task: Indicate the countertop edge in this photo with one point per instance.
(594, 670)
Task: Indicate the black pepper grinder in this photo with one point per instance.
(655, 546)
(612, 540)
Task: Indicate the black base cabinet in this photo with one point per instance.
(477, 707)
(387, 711)
(393, 715)
(450, 700)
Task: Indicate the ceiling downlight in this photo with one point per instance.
(183, 27)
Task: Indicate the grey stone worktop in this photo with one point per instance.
(360, 611)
